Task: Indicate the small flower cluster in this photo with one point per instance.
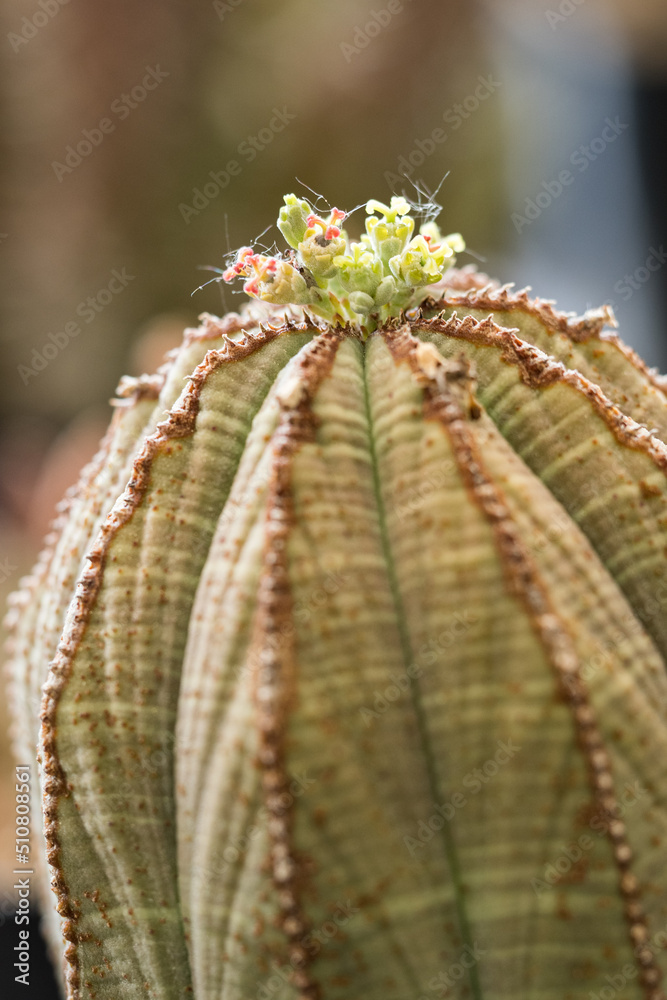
(343, 282)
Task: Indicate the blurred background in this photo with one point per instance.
(143, 141)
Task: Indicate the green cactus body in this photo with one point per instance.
(357, 662)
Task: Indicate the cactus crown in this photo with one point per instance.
(386, 272)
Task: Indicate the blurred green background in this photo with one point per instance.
(141, 141)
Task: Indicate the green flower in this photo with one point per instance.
(317, 254)
(292, 219)
(344, 282)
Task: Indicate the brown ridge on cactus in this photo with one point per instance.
(130, 390)
(22, 606)
(503, 298)
(588, 330)
(20, 600)
(252, 316)
(211, 327)
(538, 370)
(180, 423)
(273, 649)
(441, 403)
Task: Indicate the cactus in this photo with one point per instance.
(349, 655)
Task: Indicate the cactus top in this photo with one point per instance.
(334, 279)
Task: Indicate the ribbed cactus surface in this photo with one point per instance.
(353, 653)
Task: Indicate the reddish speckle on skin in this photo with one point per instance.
(648, 490)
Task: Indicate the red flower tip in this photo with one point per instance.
(337, 215)
(331, 232)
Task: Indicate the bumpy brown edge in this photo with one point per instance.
(254, 314)
(131, 389)
(444, 402)
(29, 586)
(579, 329)
(179, 423)
(539, 370)
(273, 652)
(18, 603)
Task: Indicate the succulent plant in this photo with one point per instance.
(349, 655)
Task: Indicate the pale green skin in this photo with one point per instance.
(387, 556)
